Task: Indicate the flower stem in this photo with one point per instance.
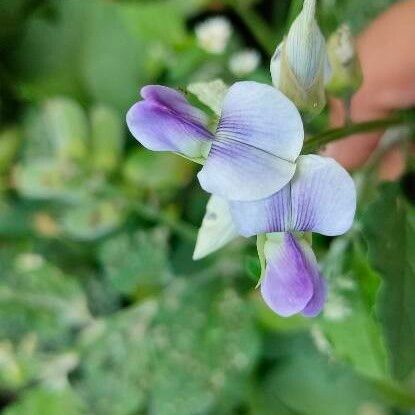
(317, 141)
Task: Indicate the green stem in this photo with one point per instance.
(182, 229)
(258, 27)
(317, 141)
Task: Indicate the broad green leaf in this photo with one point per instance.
(389, 228)
(206, 346)
(37, 297)
(107, 138)
(56, 43)
(47, 179)
(136, 264)
(58, 129)
(113, 59)
(167, 171)
(91, 219)
(45, 401)
(349, 321)
(114, 375)
(158, 23)
(86, 49)
(309, 384)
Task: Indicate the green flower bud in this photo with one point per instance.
(346, 71)
(299, 66)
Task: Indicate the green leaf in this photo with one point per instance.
(389, 228)
(58, 129)
(206, 346)
(113, 59)
(309, 384)
(349, 322)
(86, 50)
(158, 22)
(168, 171)
(92, 218)
(37, 297)
(47, 179)
(107, 138)
(115, 354)
(42, 401)
(136, 264)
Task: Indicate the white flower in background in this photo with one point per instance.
(213, 34)
(244, 62)
(336, 308)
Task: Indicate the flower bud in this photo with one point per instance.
(346, 71)
(299, 65)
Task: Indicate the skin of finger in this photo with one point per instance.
(387, 54)
(392, 166)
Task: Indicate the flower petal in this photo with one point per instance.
(287, 286)
(165, 121)
(272, 214)
(320, 198)
(217, 228)
(324, 199)
(259, 137)
(316, 304)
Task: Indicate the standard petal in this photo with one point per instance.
(320, 198)
(165, 121)
(217, 228)
(287, 286)
(259, 137)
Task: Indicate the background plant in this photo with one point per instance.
(102, 310)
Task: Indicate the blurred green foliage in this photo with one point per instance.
(102, 310)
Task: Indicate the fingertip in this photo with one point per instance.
(353, 151)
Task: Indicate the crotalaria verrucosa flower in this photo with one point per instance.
(259, 184)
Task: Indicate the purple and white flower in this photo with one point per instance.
(252, 155)
(320, 198)
(259, 184)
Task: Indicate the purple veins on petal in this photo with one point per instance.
(321, 198)
(165, 121)
(292, 282)
(259, 137)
